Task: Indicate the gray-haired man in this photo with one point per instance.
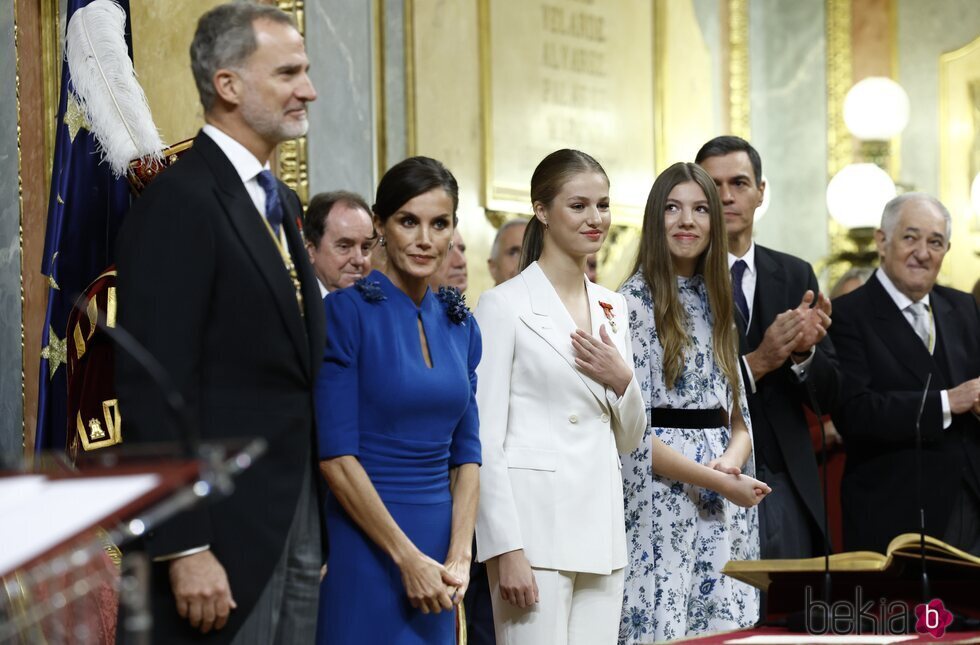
(214, 282)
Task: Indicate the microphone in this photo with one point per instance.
(918, 490)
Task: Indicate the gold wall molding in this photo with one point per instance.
(839, 79)
(411, 131)
(840, 148)
(292, 159)
(959, 160)
(379, 102)
(661, 160)
(738, 69)
(51, 57)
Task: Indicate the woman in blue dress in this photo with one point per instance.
(398, 428)
(680, 531)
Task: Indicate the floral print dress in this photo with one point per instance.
(680, 536)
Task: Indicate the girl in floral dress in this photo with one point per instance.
(682, 529)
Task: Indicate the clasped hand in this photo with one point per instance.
(739, 489)
(600, 360)
(432, 587)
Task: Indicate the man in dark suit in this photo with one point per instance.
(214, 282)
(892, 333)
(786, 355)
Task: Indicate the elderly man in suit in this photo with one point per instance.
(892, 333)
(214, 282)
(787, 358)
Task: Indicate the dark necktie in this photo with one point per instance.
(273, 206)
(738, 270)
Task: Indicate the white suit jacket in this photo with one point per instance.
(551, 479)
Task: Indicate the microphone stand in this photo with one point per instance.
(918, 490)
(815, 406)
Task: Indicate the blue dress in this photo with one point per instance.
(408, 425)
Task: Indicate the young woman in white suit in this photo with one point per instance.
(558, 404)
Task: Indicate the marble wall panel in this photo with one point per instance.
(396, 142)
(787, 51)
(341, 141)
(926, 30)
(11, 353)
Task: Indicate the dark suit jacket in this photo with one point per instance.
(884, 366)
(203, 287)
(778, 422)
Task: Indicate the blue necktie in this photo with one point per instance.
(738, 270)
(273, 206)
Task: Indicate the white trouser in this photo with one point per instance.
(573, 609)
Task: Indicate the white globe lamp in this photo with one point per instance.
(876, 109)
(858, 193)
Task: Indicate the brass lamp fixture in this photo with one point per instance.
(876, 110)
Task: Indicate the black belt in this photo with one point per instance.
(694, 419)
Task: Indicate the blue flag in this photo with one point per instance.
(85, 210)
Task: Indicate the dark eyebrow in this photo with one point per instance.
(292, 68)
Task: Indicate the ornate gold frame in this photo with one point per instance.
(840, 146)
(292, 159)
(738, 69)
(949, 186)
(502, 197)
(408, 20)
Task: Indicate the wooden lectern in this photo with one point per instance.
(875, 584)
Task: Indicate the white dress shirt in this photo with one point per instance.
(245, 163)
(902, 302)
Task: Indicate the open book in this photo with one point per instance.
(942, 559)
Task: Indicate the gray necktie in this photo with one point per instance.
(921, 322)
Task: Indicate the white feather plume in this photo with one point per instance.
(106, 86)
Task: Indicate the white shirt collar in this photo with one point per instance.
(749, 258)
(245, 163)
(323, 290)
(900, 299)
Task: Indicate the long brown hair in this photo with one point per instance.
(549, 177)
(654, 263)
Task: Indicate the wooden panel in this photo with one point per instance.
(33, 173)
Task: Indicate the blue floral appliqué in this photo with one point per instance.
(455, 304)
(370, 290)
